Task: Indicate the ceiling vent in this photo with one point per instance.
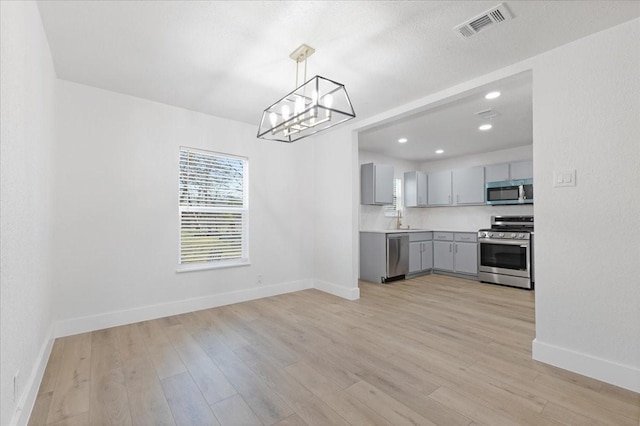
(487, 114)
(487, 19)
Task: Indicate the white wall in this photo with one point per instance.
(26, 96)
(116, 229)
(586, 106)
(335, 220)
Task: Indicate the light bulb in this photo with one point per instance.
(273, 117)
(328, 100)
(299, 105)
(285, 112)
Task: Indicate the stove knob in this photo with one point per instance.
(501, 235)
(513, 235)
(520, 235)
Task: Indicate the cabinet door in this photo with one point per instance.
(415, 257)
(468, 186)
(383, 184)
(466, 258)
(443, 255)
(427, 255)
(522, 170)
(496, 172)
(415, 189)
(439, 188)
(422, 189)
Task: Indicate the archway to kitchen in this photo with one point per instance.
(443, 133)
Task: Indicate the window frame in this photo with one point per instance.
(243, 260)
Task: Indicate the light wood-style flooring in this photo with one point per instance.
(431, 350)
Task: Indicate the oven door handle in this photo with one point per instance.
(521, 243)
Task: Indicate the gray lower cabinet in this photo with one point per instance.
(466, 258)
(455, 252)
(420, 252)
(443, 255)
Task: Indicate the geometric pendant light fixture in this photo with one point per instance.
(315, 105)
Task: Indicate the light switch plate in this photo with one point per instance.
(564, 178)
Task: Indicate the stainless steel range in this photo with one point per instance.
(505, 252)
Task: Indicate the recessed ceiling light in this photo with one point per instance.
(439, 151)
(492, 95)
(485, 127)
(402, 140)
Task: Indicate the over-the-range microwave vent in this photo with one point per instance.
(487, 19)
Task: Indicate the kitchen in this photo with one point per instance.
(459, 160)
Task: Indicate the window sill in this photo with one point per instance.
(202, 267)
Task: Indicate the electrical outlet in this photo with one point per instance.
(260, 279)
(15, 385)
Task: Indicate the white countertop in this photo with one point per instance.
(394, 231)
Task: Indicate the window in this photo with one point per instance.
(392, 210)
(213, 209)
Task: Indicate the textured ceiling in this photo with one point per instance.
(231, 59)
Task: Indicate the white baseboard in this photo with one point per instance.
(116, 318)
(31, 387)
(624, 376)
(338, 290)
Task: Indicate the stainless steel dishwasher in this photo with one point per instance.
(397, 256)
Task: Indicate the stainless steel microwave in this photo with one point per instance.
(510, 192)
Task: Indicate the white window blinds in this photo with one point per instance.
(213, 208)
(392, 210)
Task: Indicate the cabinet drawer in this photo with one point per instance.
(443, 236)
(468, 237)
(420, 236)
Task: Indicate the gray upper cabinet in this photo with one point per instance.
(496, 172)
(509, 171)
(521, 170)
(439, 188)
(415, 189)
(376, 184)
(457, 187)
(468, 185)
